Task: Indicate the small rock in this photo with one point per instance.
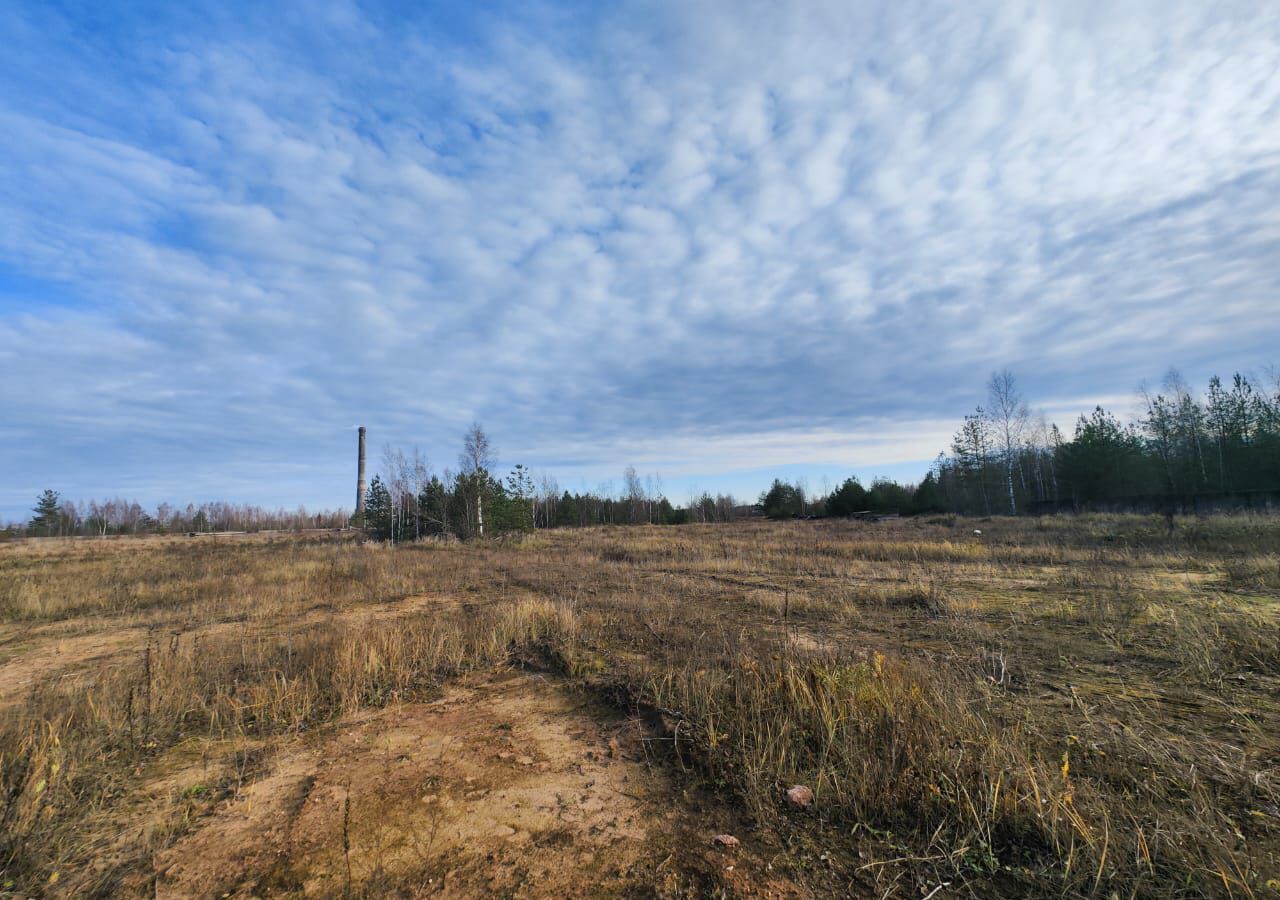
(525, 760)
(726, 840)
(799, 796)
(505, 754)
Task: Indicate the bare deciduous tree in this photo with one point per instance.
(475, 460)
(549, 493)
(1009, 414)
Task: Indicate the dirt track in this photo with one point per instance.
(515, 787)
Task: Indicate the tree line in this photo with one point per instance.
(784, 500)
(52, 516)
(1003, 459)
(406, 501)
(1180, 446)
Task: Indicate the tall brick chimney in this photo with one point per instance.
(360, 488)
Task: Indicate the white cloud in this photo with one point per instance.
(659, 221)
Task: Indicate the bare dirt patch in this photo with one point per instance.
(514, 787)
(59, 654)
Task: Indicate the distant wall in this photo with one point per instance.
(1184, 504)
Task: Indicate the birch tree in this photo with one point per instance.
(1008, 412)
(475, 460)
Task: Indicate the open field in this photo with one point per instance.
(1064, 707)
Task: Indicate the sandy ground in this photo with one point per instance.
(511, 787)
(516, 785)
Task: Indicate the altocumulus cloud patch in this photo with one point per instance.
(701, 239)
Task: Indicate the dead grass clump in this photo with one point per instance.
(620, 554)
(889, 749)
(931, 770)
(1109, 611)
(1227, 535)
(1253, 573)
(1219, 641)
(921, 595)
(1098, 575)
(19, 599)
(62, 769)
(1104, 589)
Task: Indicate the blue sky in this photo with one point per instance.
(712, 240)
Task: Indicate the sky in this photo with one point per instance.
(715, 241)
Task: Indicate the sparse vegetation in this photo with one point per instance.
(1056, 707)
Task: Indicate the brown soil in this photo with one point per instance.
(52, 654)
(515, 787)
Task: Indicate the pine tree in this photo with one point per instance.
(1103, 461)
(849, 498)
(972, 447)
(928, 495)
(520, 488)
(782, 500)
(377, 509)
(47, 514)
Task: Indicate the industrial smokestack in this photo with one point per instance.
(360, 481)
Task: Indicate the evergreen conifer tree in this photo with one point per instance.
(47, 514)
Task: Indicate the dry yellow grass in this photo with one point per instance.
(1072, 707)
